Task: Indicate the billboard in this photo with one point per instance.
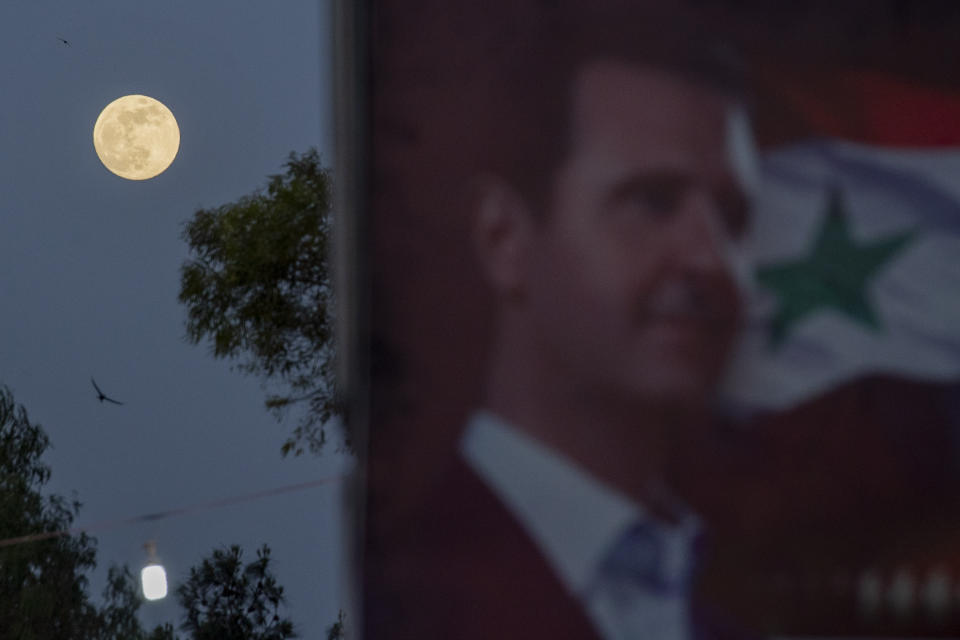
(658, 328)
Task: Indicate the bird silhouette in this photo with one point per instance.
(101, 396)
(64, 41)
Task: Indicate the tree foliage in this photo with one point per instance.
(225, 600)
(118, 616)
(42, 583)
(257, 287)
(338, 630)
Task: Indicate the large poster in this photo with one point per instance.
(664, 324)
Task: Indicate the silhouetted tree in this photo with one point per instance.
(338, 631)
(225, 600)
(43, 582)
(122, 601)
(257, 286)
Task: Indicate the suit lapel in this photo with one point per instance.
(464, 568)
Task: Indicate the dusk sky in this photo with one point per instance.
(89, 275)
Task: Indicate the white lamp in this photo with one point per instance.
(153, 578)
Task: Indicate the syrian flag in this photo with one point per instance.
(855, 245)
(834, 497)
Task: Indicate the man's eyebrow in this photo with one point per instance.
(731, 199)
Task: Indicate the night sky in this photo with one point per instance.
(89, 274)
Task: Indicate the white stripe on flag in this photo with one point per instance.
(916, 296)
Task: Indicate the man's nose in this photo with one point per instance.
(701, 243)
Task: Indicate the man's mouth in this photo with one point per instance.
(677, 327)
(684, 309)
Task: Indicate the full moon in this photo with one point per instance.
(136, 137)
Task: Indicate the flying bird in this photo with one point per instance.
(101, 396)
(64, 41)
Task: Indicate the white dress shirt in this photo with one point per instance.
(576, 520)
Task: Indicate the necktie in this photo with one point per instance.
(642, 584)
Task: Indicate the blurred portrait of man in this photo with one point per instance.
(617, 304)
(632, 378)
(604, 220)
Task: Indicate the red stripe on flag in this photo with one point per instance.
(863, 106)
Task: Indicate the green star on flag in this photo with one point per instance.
(844, 306)
(835, 275)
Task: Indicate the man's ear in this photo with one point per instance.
(502, 228)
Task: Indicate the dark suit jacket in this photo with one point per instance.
(463, 568)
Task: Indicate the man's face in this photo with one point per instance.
(632, 289)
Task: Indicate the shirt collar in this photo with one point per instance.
(572, 517)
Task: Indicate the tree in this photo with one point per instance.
(118, 617)
(42, 582)
(338, 630)
(225, 600)
(257, 286)
(222, 599)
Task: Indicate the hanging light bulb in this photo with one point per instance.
(153, 578)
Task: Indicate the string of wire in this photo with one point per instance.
(104, 525)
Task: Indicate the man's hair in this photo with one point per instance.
(528, 106)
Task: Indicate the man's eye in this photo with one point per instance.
(660, 199)
(655, 198)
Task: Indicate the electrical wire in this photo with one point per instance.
(104, 525)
